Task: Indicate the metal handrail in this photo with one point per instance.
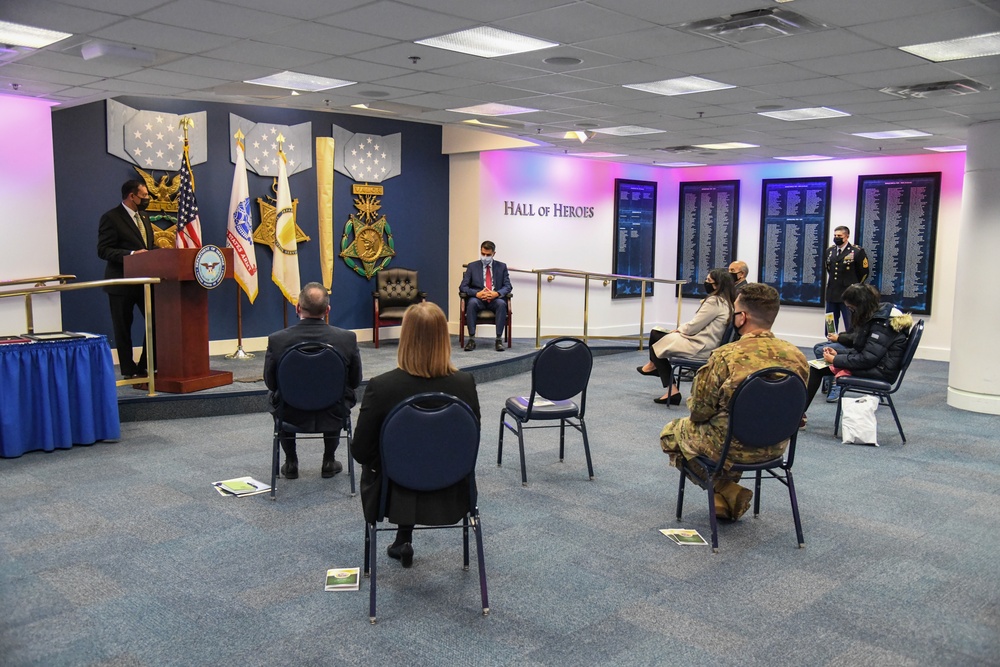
(28, 292)
(62, 278)
(606, 277)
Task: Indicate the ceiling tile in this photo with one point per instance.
(56, 16)
(867, 61)
(276, 57)
(74, 63)
(21, 72)
(397, 21)
(145, 34)
(582, 21)
(300, 9)
(650, 43)
(220, 69)
(350, 69)
(217, 18)
(322, 38)
(931, 27)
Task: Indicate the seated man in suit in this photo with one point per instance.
(312, 309)
(486, 283)
(704, 432)
(125, 230)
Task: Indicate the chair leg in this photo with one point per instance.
(680, 494)
(586, 448)
(712, 519)
(836, 419)
(562, 440)
(477, 528)
(350, 458)
(520, 444)
(895, 416)
(795, 508)
(465, 543)
(503, 414)
(274, 464)
(375, 336)
(756, 494)
(371, 558)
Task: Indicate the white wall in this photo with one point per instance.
(28, 238)
(537, 241)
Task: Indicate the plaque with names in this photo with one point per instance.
(635, 236)
(795, 216)
(896, 225)
(706, 231)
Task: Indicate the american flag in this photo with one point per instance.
(188, 224)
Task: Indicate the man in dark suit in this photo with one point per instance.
(486, 283)
(125, 230)
(312, 309)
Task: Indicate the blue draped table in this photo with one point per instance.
(56, 394)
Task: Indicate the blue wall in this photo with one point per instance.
(88, 183)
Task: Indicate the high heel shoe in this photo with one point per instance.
(672, 399)
(642, 372)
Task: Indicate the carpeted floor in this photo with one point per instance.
(123, 554)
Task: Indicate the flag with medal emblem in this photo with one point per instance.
(285, 264)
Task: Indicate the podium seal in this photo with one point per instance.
(209, 267)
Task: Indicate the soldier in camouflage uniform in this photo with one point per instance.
(704, 432)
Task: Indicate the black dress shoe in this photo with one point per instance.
(642, 372)
(401, 552)
(499, 345)
(470, 345)
(290, 470)
(673, 399)
(331, 467)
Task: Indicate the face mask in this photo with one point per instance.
(709, 288)
(143, 203)
(735, 326)
(735, 277)
(838, 241)
(487, 260)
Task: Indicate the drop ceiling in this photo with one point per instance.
(200, 48)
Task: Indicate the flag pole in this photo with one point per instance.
(239, 354)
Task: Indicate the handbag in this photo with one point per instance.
(858, 424)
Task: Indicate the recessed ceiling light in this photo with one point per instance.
(682, 86)
(679, 164)
(727, 146)
(946, 149)
(597, 154)
(16, 34)
(298, 81)
(627, 130)
(811, 113)
(563, 61)
(587, 126)
(502, 124)
(493, 109)
(371, 107)
(769, 107)
(803, 158)
(957, 49)
(891, 134)
(487, 42)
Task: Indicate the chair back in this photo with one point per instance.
(912, 341)
(729, 335)
(561, 370)
(766, 408)
(397, 288)
(428, 442)
(311, 376)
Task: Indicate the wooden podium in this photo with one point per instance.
(180, 317)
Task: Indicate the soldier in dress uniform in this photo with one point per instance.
(846, 264)
(704, 432)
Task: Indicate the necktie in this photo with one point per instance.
(489, 279)
(142, 230)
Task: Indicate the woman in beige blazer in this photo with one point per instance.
(695, 338)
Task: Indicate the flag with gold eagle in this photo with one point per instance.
(285, 265)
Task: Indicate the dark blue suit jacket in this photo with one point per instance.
(472, 282)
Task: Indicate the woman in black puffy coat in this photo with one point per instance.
(876, 344)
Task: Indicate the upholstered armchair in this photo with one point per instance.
(395, 291)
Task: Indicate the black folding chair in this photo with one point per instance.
(764, 411)
(560, 372)
(685, 368)
(883, 390)
(310, 377)
(429, 442)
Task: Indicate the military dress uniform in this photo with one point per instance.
(845, 266)
(704, 432)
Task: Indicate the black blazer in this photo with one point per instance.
(317, 331)
(117, 237)
(405, 507)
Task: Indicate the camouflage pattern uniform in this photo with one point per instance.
(704, 432)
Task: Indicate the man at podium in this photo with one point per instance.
(125, 230)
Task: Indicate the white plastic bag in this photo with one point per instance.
(858, 422)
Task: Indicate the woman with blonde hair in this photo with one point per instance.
(424, 361)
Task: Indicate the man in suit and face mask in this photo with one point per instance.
(486, 283)
(125, 230)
